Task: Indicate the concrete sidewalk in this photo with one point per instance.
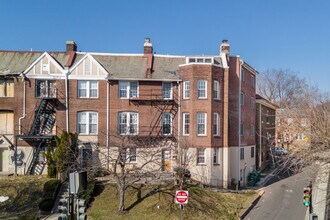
(319, 192)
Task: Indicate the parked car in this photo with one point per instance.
(280, 151)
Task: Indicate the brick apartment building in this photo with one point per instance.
(204, 102)
(265, 132)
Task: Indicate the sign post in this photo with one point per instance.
(181, 198)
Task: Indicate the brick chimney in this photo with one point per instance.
(148, 54)
(71, 49)
(71, 46)
(225, 47)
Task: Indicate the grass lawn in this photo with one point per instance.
(203, 204)
(24, 193)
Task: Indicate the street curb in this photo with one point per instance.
(255, 201)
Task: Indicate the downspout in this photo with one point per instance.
(239, 120)
(107, 140)
(66, 102)
(260, 135)
(24, 108)
(179, 116)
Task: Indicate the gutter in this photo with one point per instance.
(179, 110)
(108, 113)
(24, 107)
(241, 62)
(66, 101)
(260, 135)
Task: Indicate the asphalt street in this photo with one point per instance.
(283, 198)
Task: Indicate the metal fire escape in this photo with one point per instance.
(158, 132)
(41, 132)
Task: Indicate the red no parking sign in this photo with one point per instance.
(181, 197)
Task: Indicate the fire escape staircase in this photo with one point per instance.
(41, 132)
(44, 119)
(155, 131)
(35, 167)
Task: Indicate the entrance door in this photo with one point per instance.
(166, 160)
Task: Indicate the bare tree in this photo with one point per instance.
(136, 159)
(302, 117)
(281, 87)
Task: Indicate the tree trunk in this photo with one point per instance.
(121, 190)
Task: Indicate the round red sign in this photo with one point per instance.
(181, 197)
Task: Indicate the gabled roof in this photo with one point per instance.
(58, 62)
(123, 66)
(16, 62)
(167, 67)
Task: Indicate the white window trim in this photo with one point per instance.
(171, 118)
(128, 155)
(128, 123)
(205, 124)
(128, 90)
(185, 89)
(217, 84)
(216, 152)
(204, 151)
(88, 88)
(203, 58)
(216, 115)
(205, 89)
(184, 123)
(171, 92)
(88, 123)
(241, 153)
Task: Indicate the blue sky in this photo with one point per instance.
(287, 34)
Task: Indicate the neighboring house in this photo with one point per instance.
(293, 128)
(265, 132)
(204, 102)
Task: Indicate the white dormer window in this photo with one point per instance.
(200, 60)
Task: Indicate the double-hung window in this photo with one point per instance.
(216, 90)
(6, 88)
(167, 90)
(186, 89)
(216, 124)
(167, 123)
(252, 152)
(251, 130)
(215, 155)
(128, 90)
(241, 153)
(200, 156)
(201, 123)
(252, 103)
(130, 154)
(87, 89)
(202, 89)
(241, 129)
(128, 123)
(253, 81)
(87, 122)
(242, 98)
(45, 88)
(186, 123)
